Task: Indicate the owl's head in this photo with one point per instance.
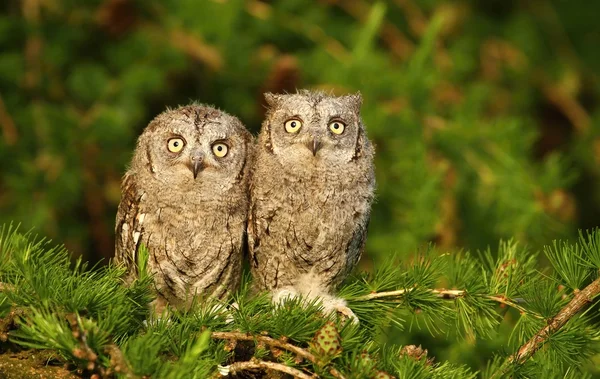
(311, 128)
(192, 146)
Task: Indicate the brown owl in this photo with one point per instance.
(311, 191)
(185, 197)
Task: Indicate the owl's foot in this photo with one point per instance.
(224, 310)
(348, 314)
(159, 311)
(229, 312)
(331, 304)
(159, 307)
(338, 306)
(282, 294)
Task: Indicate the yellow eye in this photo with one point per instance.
(337, 127)
(175, 145)
(293, 126)
(220, 149)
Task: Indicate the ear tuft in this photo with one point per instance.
(354, 101)
(273, 99)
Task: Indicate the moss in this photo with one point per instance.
(30, 364)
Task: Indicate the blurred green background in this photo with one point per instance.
(485, 114)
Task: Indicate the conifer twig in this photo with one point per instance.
(379, 295)
(579, 301)
(266, 365)
(444, 294)
(511, 303)
(275, 343)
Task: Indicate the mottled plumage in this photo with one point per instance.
(311, 192)
(185, 197)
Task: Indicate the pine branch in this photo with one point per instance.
(104, 335)
(274, 343)
(266, 365)
(444, 294)
(379, 295)
(579, 301)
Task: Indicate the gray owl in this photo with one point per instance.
(311, 192)
(185, 197)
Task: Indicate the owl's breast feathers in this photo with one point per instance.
(194, 247)
(313, 226)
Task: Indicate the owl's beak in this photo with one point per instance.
(197, 165)
(314, 145)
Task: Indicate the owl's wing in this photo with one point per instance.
(356, 245)
(259, 218)
(252, 233)
(128, 228)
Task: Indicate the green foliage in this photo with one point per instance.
(45, 279)
(569, 269)
(591, 245)
(92, 320)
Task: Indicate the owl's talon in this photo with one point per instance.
(223, 370)
(225, 310)
(336, 305)
(347, 313)
(155, 319)
(229, 318)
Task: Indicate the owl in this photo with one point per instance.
(185, 197)
(311, 191)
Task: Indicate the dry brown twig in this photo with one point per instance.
(266, 365)
(239, 336)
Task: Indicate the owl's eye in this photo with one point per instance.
(175, 144)
(293, 125)
(337, 127)
(220, 149)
